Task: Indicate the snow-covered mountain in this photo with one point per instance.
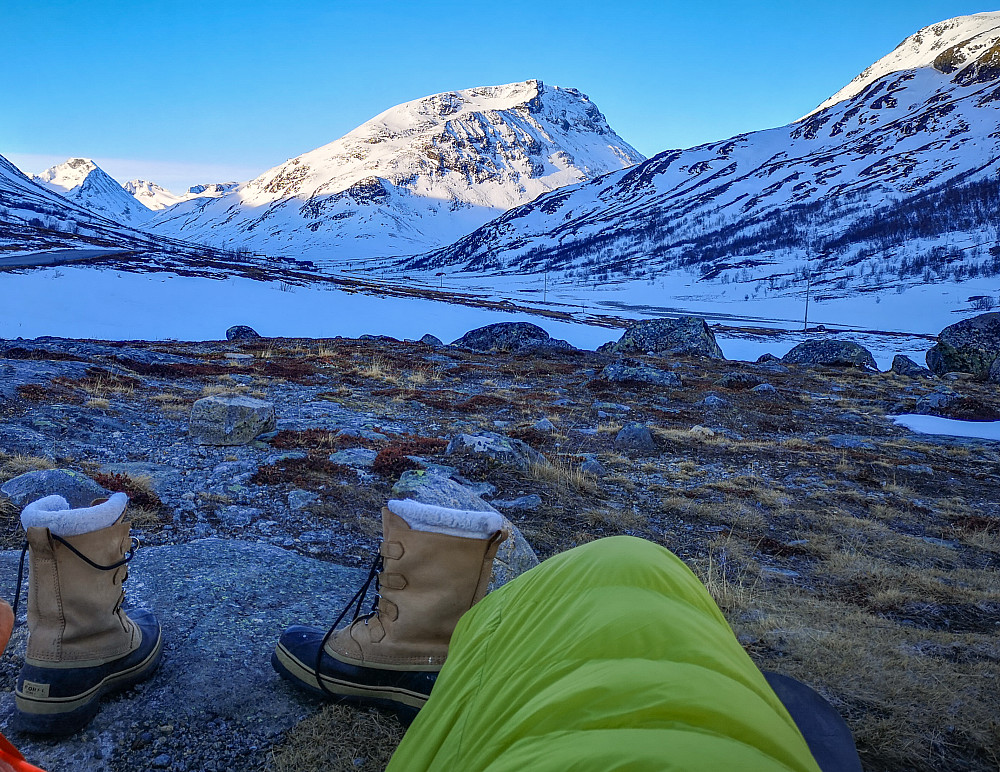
(85, 183)
(418, 176)
(895, 176)
(34, 218)
(156, 197)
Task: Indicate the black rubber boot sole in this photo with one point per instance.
(60, 701)
(402, 691)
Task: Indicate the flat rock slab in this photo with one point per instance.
(222, 605)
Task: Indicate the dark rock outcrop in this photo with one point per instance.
(509, 336)
(969, 346)
(833, 353)
(903, 365)
(630, 371)
(684, 336)
(242, 332)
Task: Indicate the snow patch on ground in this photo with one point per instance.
(930, 424)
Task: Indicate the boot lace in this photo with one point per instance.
(357, 601)
(129, 554)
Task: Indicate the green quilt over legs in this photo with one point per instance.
(610, 656)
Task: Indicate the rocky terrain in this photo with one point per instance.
(845, 550)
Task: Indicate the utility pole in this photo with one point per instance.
(545, 291)
(805, 321)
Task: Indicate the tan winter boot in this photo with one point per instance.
(81, 644)
(434, 565)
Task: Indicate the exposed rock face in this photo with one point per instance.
(685, 336)
(994, 376)
(515, 555)
(903, 365)
(509, 336)
(78, 489)
(834, 353)
(232, 420)
(628, 370)
(969, 346)
(242, 332)
(505, 450)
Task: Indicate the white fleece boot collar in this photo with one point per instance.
(452, 522)
(53, 512)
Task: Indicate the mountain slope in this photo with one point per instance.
(764, 205)
(82, 181)
(417, 176)
(156, 197)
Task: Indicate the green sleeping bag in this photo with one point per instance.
(609, 656)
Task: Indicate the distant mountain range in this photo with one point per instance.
(894, 178)
(419, 175)
(891, 181)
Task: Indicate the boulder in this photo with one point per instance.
(969, 346)
(635, 439)
(631, 371)
(230, 420)
(432, 340)
(242, 332)
(739, 381)
(504, 450)
(78, 489)
(684, 336)
(515, 555)
(509, 336)
(544, 425)
(834, 353)
(994, 375)
(903, 365)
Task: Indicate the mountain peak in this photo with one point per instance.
(86, 183)
(67, 175)
(946, 46)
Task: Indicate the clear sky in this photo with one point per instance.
(194, 91)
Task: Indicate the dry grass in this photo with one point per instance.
(563, 472)
(12, 465)
(98, 403)
(339, 738)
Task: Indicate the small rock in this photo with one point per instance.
(917, 469)
(630, 371)
(610, 407)
(161, 762)
(903, 365)
(544, 425)
(432, 340)
(739, 381)
(358, 458)
(635, 438)
(714, 400)
(299, 499)
(505, 450)
(242, 332)
(594, 467)
(764, 388)
(523, 503)
(850, 441)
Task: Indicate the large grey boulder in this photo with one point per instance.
(242, 332)
(635, 439)
(230, 420)
(515, 555)
(222, 606)
(503, 450)
(509, 336)
(833, 353)
(78, 489)
(969, 346)
(994, 375)
(631, 371)
(684, 336)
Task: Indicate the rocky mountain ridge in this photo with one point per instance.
(419, 175)
(892, 181)
(85, 183)
(156, 197)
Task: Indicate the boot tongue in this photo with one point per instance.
(53, 512)
(466, 523)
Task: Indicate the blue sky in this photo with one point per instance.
(185, 92)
